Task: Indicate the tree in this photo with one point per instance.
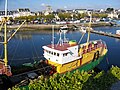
(64, 16)
(10, 18)
(119, 16)
(83, 15)
(78, 16)
(75, 16)
(50, 16)
(103, 15)
(110, 9)
(75, 81)
(95, 15)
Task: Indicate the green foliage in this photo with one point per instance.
(50, 16)
(100, 81)
(64, 16)
(104, 15)
(79, 16)
(76, 81)
(115, 71)
(83, 15)
(110, 9)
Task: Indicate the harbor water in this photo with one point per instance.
(26, 46)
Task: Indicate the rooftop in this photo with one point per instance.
(62, 47)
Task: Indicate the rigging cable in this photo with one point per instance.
(81, 38)
(32, 52)
(22, 59)
(34, 48)
(15, 52)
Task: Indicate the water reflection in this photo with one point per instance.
(27, 46)
(23, 36)
(117, 40)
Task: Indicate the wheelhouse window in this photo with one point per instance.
(65, 54)
(52, 53)
(47, 51)
(58, 54)
(55, 53)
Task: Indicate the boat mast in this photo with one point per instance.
(88, 38)
(5, 36)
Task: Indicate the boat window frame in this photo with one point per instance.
(55, 53)
(65, 54)
(52, 53)
(58, 54)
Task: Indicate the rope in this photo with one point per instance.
(16, 31)
(34, 48)
(22, 59)
(107, 60)
(15, 50)
(81, 38)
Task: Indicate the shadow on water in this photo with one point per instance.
(101, 81)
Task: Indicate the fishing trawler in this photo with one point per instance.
(68, 55)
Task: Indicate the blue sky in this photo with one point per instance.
(38, 5)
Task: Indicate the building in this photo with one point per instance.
(23, 12)
(38, 13)
(69, 11)
(102, 10)
(60, 11)
(48, 10)
(80, 11)
(9, 14)
(17, 13)
(114, 14)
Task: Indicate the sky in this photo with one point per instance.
(39, 5)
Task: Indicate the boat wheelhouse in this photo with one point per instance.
(61, 54)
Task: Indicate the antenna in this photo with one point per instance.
(64, 32)
(60, 39)
(64, 36)
(90, 14)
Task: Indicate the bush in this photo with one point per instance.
(76, 81)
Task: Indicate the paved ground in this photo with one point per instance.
(116, 86)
